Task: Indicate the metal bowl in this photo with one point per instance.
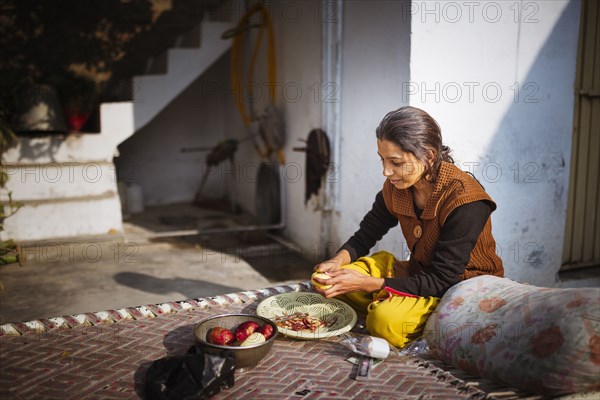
(246, 356)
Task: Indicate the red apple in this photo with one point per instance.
(266, 330)
(245, 329)
(220, 336)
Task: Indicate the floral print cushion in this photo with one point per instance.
(543, 340)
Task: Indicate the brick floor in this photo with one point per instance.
(104, 360)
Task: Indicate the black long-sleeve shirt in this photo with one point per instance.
(457, 239)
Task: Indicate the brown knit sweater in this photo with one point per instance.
(453, 188)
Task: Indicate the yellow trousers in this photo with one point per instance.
(398, 319)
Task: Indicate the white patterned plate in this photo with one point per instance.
(340, 317)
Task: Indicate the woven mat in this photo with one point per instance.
(105, 356)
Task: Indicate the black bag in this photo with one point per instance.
(194, 376)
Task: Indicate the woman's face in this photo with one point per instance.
(402, 168)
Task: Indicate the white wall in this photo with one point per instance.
(299, 72)
(498, 77)
(298, 98)
(376, 50)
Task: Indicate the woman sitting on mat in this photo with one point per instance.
(444, 214)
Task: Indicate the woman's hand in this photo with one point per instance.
(334, 263)
(327, 266)
(344, 281)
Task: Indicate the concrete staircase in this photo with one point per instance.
(67, 184)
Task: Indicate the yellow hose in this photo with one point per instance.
(237, 61)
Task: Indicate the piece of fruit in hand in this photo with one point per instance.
(266, 330)
(320, 275)
(255, 338)
(245, 329)
(220, 336)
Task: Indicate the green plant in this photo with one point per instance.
(10, 252)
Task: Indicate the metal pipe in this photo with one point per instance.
(330, 111)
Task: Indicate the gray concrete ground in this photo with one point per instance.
(94, 274)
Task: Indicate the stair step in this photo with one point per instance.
(82, 147)
(36, 183)
(190, 39)
(157, 65)
(80, 216)
(154, 92)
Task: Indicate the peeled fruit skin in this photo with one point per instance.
(245, 329)
(255, 338)
(220, 336)
(320, 275)
(266, 330)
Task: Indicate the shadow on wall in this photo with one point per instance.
(190, 288)
(529, 157)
